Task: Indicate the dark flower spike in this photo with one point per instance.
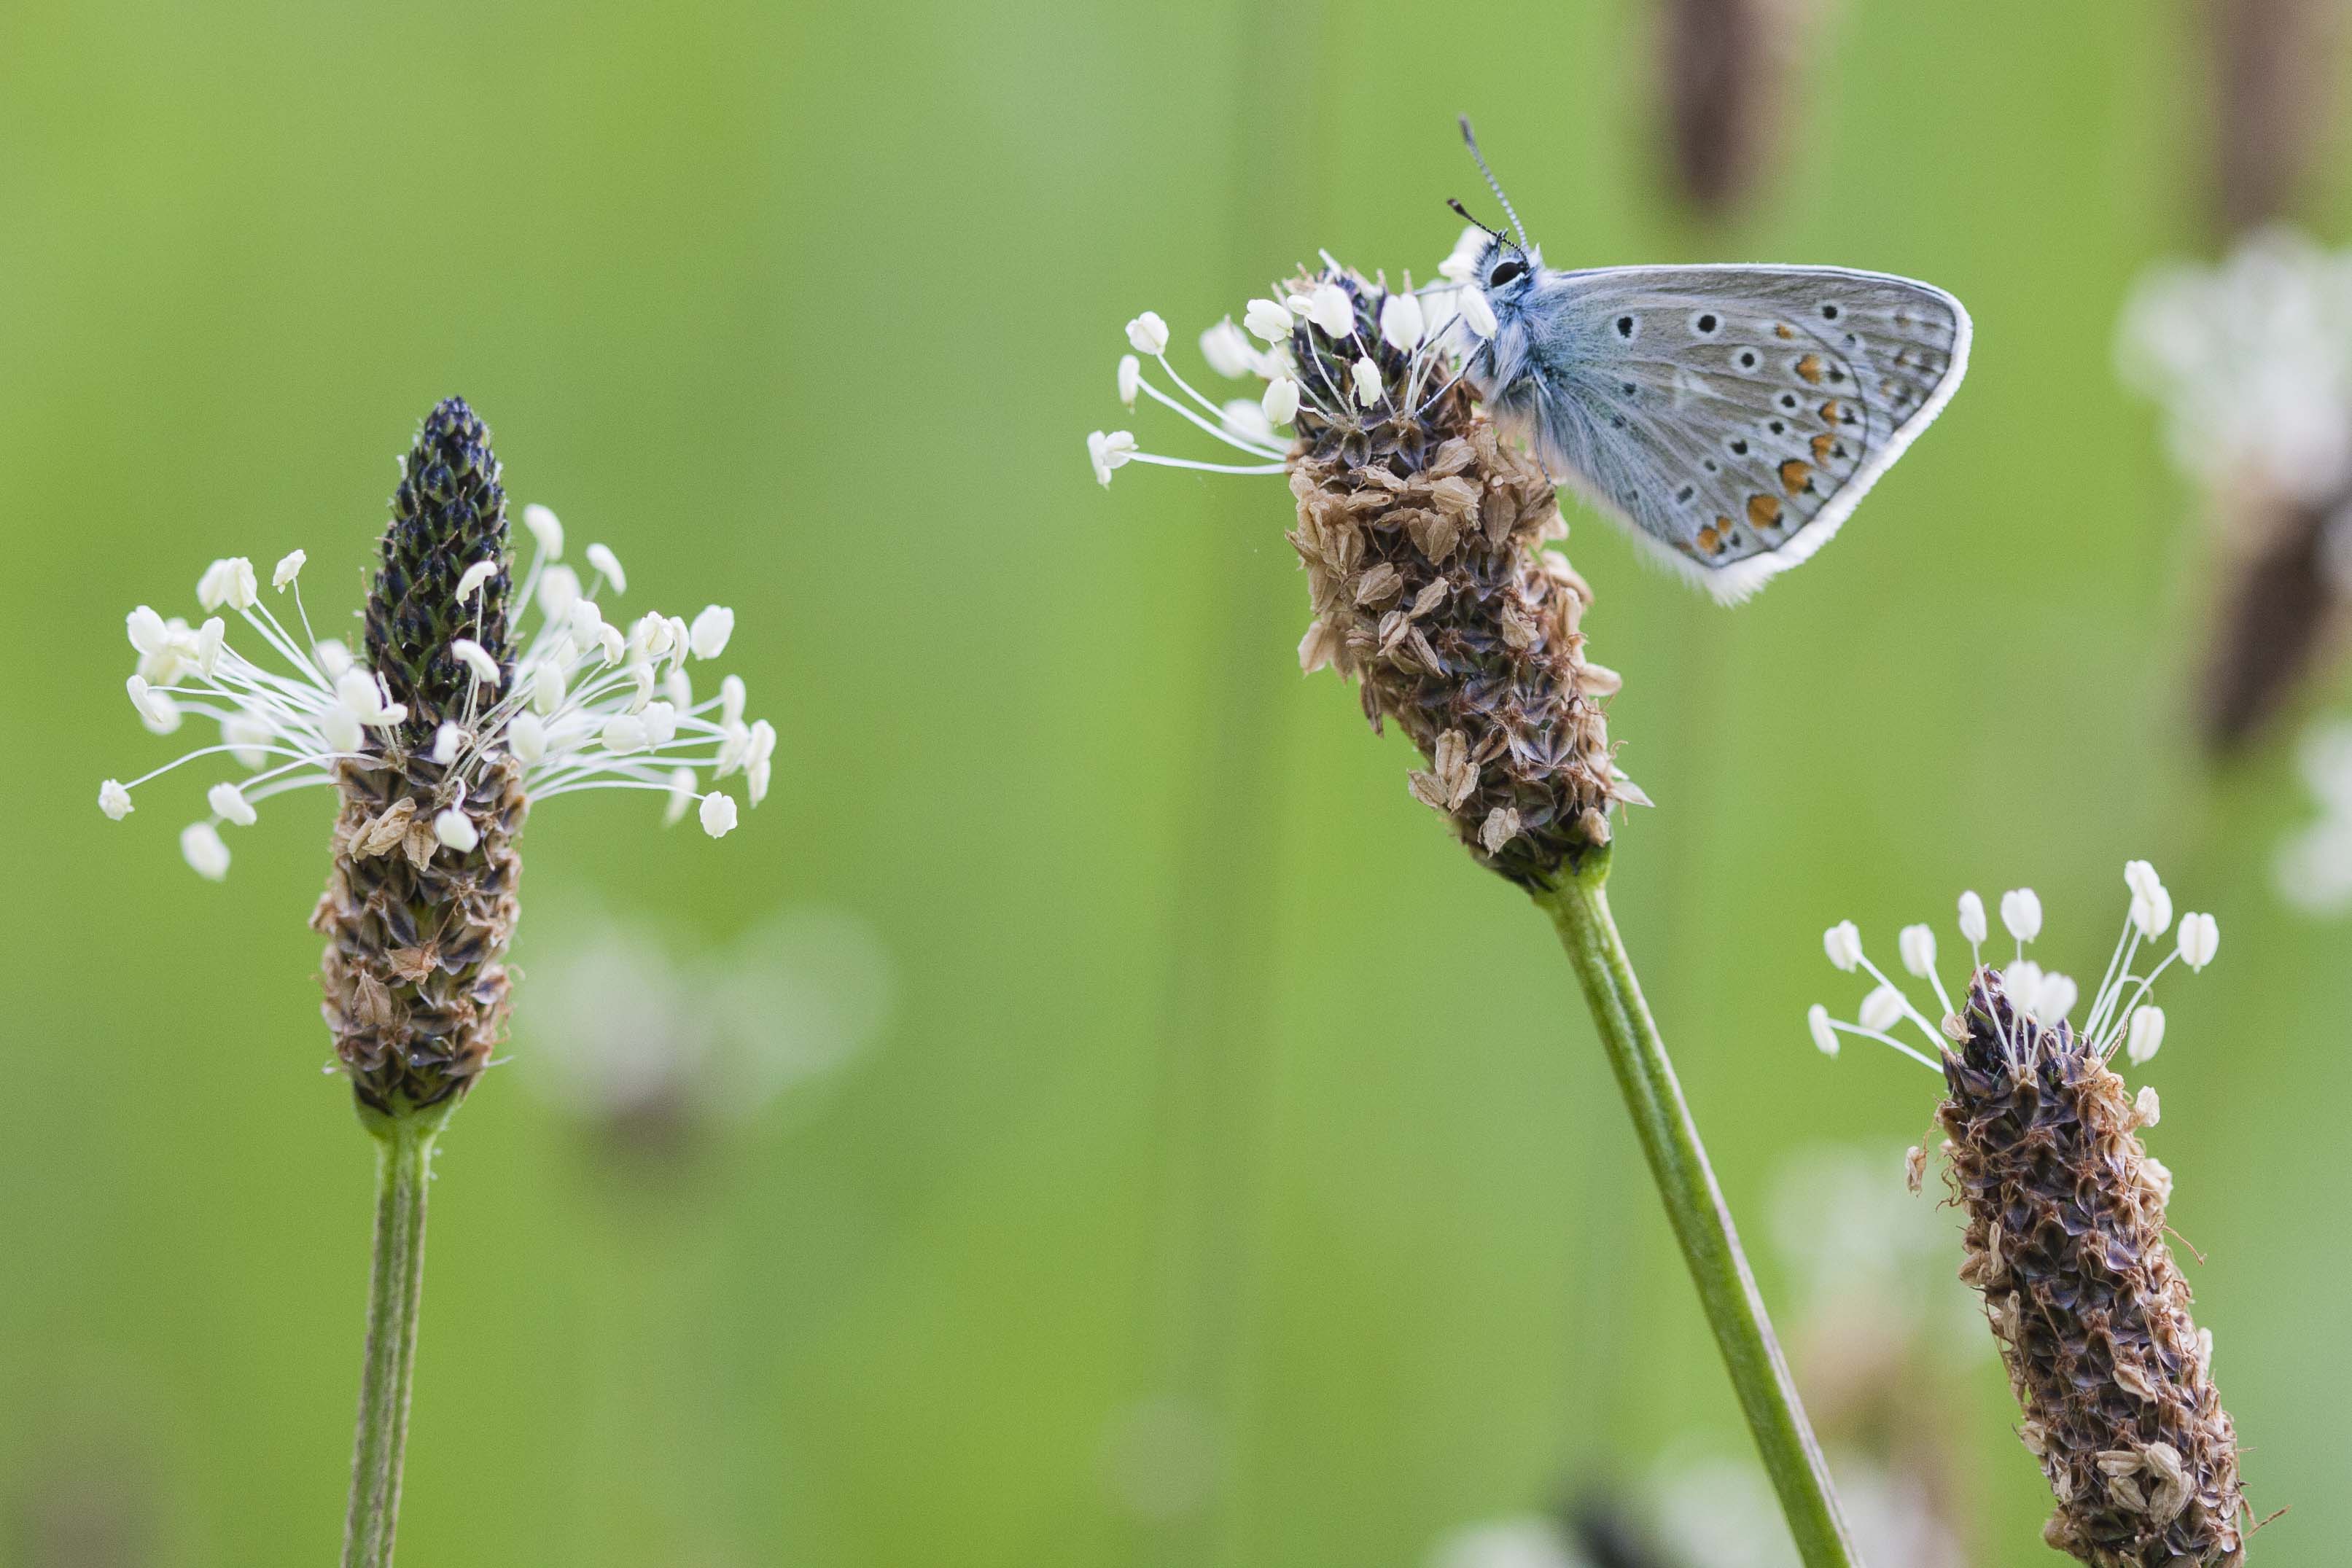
(2065, 1236)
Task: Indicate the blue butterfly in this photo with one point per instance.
(1731, 416)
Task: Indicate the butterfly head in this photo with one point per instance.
(1507, 267)
(1505, 270)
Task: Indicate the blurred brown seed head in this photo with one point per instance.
(2274, 66)
(1730, 71)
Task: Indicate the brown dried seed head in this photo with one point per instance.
(1421, 534)
(2065, 1240)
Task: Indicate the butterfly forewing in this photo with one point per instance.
(1733, 415)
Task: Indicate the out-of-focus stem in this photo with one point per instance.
(1578, 903)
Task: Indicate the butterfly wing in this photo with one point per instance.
(1733, 415)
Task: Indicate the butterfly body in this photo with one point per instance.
(1731, 416)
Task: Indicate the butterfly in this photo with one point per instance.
(1732, 417)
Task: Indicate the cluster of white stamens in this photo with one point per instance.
(2120, 1015)
(589, 706)
(1420, 324)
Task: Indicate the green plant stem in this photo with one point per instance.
(1579, 907)
(395, 1295)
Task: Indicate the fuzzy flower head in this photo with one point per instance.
(2066, 1239)
(1422, 535)
(2251, 360)
(458, 667)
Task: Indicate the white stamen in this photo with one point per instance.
(624, 733)
(681, 796)
(290, 566)
(547, 688)
(1130, 378)
(1367, 380)
(559, 590)
(718, 814)
(1476, 314)
(477, 660)
(711, 629)
(1109, 452)
(2021, 912)
(1266, 320)
(1280, 404)
(114, 800)
(1148, 333)
(1246, 420)
(1402, 321)
(1843, 943)
(228, 582)
(1817, 1019)
(2146, 1037)
(527, 737)
(1329, 307)
(1883, 1009)
(606, 561)
(229, 803)
(469, 582)
(156, 709)
(148, 633)
(1917, 947)
(456, 829)
(2198, 937)
(201, 847)
(1226, 350)
(340, 727)
(546, 528)
(447, 741)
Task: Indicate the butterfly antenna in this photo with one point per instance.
(1464, 213)
(1495, 186)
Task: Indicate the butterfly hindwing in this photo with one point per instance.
(1734, 415)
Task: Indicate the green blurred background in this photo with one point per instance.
(1235, 1180)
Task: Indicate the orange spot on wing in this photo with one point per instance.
(1822, 445)
(1795, 473)
(1810, 367)
(1782, 330)
(1710, 540)
(1831, 410)
(1764, 511)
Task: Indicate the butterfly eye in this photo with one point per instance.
(1505, 271)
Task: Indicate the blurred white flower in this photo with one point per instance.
(2251, 360)
(620, 1028)
(2314, 865)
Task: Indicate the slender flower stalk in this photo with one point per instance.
(1422, 533)
(2065, 1236)
(437, 738)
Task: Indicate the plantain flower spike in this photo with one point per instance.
(2065, 1235)
(438, 736)
(1423, 536)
